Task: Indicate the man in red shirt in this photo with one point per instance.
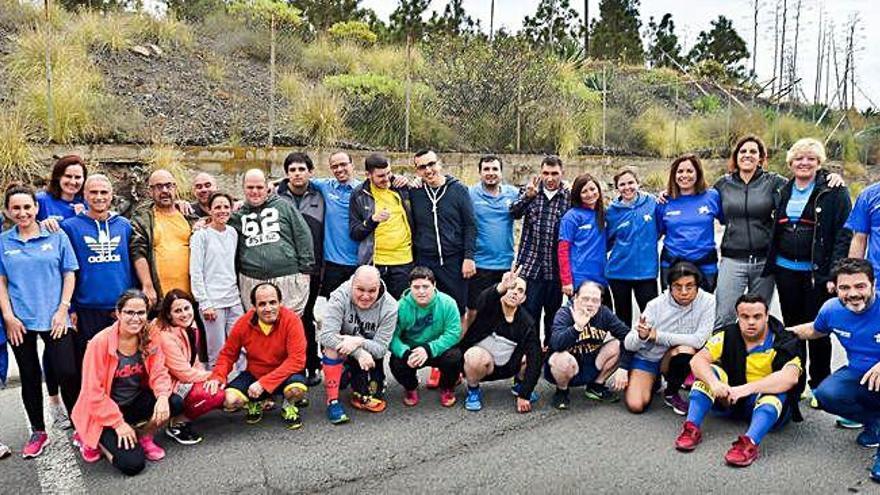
(273, 338)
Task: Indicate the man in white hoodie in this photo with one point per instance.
(358, 324)
(674, 326)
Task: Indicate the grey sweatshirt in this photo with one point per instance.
(676, 325)
(375, 324)
(212, 268)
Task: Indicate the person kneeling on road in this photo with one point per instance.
(502, 343)
(428, 327)
(581, 351)
(674, 325)
(358, 324)
(751, 370)
(273, 338)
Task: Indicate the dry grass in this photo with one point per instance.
(16, 156)
(170, 158)
(216, 68)
(167, 32)
(111, 32)
(318, 115)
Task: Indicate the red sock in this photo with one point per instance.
(332, 375)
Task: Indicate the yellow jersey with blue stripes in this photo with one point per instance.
(759, 361)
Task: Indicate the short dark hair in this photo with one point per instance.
(297, 157)
(683, 269)
(220, 195)
(374, 161)
(424, 151)
(260, 286)
(421, 272)
(551, 161)
(168, 301)
(751, 298)
(489, 158)
(852, 266)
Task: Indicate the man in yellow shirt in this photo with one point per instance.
(380, 220)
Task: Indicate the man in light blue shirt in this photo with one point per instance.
(340, 250)
(494, 252)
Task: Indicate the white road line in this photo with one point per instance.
(57, 468)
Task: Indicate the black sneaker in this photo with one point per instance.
(304, 402)
(313, 378)
(601, 393)
(561, 399)
(183, 434)
(377, 389)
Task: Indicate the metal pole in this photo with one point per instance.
(408, 91)
(50, 108)
(272, 83)
(587, 28)
(604, 107)
(491, 21)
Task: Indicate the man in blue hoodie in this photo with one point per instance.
(100, 239)
(494, 247)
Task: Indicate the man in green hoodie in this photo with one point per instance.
(428, 327)
(274, 244)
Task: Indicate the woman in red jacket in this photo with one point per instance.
(177, 335)
(126, 391)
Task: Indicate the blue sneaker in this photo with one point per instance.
(875, 470)
(517, 387)
(336, 413)
(848, 424)
(870, 436)
(474, 400)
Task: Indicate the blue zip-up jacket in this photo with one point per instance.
(494, 226)
(449, 230)
(105, 267)
(632, 231)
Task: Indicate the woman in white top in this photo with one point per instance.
(213, 276)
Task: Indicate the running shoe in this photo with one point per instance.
(679, 406)
(875, 469)
(599, 392)
(367, 403)
(183, 434)
(35, 444)
(433, 379)
(411, 398)
(290, 415)
(743, 453)
(516, 388)
(313, 378)
(447, 397)
(88, 454)
(377, 389)
(848, 424)
(152, 450)
(689, 437)
(561, 399)
(60, 420)
(474, 399)
(336, 413)
(254, 412)
(4, 451)
(301, 403)
(870, 436)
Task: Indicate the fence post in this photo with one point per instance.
(518, 113)
(272, 81)
(408, 92)
(604, 108)
(50, 107)
(675, 123)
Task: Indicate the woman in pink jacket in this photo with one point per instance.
(175, 331)
(126, 391)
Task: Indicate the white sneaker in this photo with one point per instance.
(60, 421)
(4, 451)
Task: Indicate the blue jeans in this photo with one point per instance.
(4, 362)
(841, 394)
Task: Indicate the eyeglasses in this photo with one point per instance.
(426, 165)
(131, 315)
(166, 186)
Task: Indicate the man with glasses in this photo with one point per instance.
(160, 240)
(340, 250)
(298, 189)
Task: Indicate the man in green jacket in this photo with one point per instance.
(428, 327)
(274, 244)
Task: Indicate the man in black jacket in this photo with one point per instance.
(502, 343)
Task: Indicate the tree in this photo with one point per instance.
(407, 20)
(555, 27)
(721, 44)
(319, 15)
(105, 5)
(663, 43)
(615, 35)
(454, 21)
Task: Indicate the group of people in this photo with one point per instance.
(151, 321)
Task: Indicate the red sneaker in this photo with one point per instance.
(689, 437)
(410, 398)
(88, 454)
(447, 397)
(433, 378)
(152, 450)
(743, 453)
(35, 445)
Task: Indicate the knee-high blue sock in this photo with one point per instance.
(763, 419)
(700, 404)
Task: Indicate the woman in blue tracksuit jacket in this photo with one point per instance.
(632, 232)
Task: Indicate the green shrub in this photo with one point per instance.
(661, 76)
(353, 31)
(263, 12)
(318, 115)
(322, 58)
(167, 32)
(707, 104)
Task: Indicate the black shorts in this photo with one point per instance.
(506, 370)
(244, 380)
(334, 276)
(481, 281)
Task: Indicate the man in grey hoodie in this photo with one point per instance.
(358, 324)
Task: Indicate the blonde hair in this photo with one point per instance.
(806, 145)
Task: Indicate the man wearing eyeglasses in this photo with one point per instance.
(160, 239)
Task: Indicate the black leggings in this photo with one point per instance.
(800, 303)
(622, 292)
(132, 461)
(449, 364)
(62, 360)
(313, 361)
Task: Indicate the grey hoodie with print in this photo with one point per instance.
(375, 324)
